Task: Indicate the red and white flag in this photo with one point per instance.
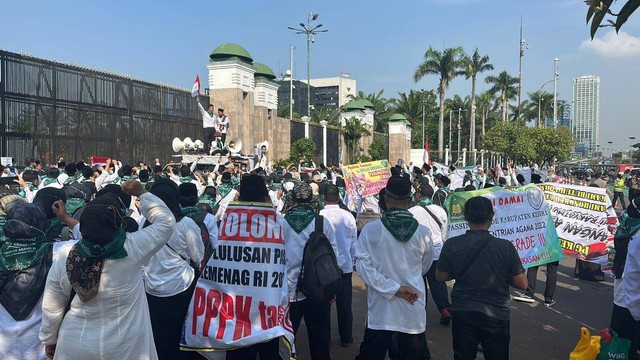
(425, 156)
(195, 90)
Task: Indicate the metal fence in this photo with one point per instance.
(315, 134)
(50, 110)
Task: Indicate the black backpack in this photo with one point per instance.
(320, 276)
(206, 238)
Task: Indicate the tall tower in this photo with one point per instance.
(585, 114)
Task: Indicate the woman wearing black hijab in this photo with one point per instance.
(108, 316)
(170, 275)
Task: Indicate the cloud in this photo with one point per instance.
(612, 45)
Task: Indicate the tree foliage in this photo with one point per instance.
(302, 149)
(522, 144)
(323, 113)
(381, 106)
(410, 105)
(599, 9)
(353, 130)
(504, 84)
(378, 149)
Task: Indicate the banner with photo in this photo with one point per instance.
(584, 219)
(365, 179)
(241, 297)
(521, 216)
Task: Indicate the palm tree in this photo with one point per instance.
(485, 104)
(381, 107)
(353, 130)
(446, 65)
(505, 85)
(471, 67)
(410, 105)
(540, 105)
(323, 113)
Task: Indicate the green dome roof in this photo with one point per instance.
(263, 70)
(397, 117)
(353, 105)
(229, 51)
(366, 103)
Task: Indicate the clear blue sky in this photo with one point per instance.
(379, 42)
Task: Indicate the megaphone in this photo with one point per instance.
(189, 144)
(261, 144)
(177, 145)
(198, 144)
(234, 146)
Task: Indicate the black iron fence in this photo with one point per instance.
(315, 134)
(50, 110)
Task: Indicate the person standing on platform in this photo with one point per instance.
(208, 125)
(222, 124)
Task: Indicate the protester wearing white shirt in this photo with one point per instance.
(208, 125)
(344, 226)
(392, 254)
(222, 124)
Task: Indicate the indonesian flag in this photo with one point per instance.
(195, 90)
(425, 156)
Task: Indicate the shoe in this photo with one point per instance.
(445, 318)
(345, 344)
(549, 303)
(524, 298)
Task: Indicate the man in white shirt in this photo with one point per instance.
(392, 254)
(208, 125)
(222, 124)
(435, 218)
(225, 194)
(297, 224)
(344, 225)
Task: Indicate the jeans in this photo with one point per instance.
(410, 346)
(439, 291)
(343, 307)
(317, 318)
(552, 279)
(470, 328)
(208, 137)
(619, 195)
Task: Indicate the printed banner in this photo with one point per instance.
(521, 216)
(241, 297)
(584, 219)
(365, 179)
(460, 175)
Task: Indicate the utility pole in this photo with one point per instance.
(291, 84)
(522, 47)
(555, 92)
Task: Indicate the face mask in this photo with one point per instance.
(264, 152)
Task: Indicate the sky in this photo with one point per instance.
(379, 42)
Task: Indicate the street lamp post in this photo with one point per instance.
(540, 123)
(460, 111)
(310, 32)
(424, 140)
(555, 92)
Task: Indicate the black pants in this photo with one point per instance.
(269, 350)
(618, 195)
(167, 318)
(317, 318)
(552, 279)
(343, 307)
(410, 346)
(633, 193)
(623, 323)
(223, 138)
(469, 328)
(439, 291)
(208, 137)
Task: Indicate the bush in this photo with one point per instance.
(378, 149)
(302, 149)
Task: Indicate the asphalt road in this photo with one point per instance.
(537, 332)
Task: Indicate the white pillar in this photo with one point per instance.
(482, 158)
(464, 156)
(324, 141)
(446, 155)
(305, 120)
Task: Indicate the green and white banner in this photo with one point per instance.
(521, 216)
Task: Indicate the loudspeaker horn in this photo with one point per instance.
(234, 146)
(199, 145)
(177, 145)
(188, 144)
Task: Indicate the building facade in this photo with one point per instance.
(585, 115)
(332, 93)
(299, 90)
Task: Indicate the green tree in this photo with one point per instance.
(538, 107)
(323, 113)
(512, 139)
(446, 65)
(302, 149)
(636, 154)
(378, 149)
(504, 84)
(381, 106)
(283, 110)
(353, 130)
(471, 67)
(599, 9)
(551, 144)
(486, 105)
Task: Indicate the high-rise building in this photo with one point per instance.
(585, 117)
(564, 115)
(332, 93)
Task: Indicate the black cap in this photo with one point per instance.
(398, 187)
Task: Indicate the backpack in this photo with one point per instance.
(320, 277)
(206, 239)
